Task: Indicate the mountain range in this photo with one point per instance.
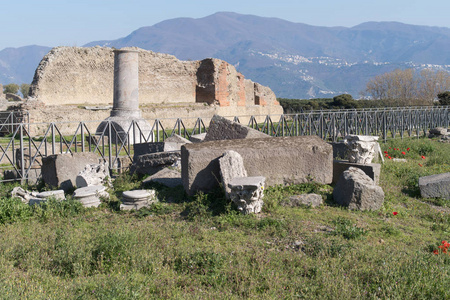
(295, 60)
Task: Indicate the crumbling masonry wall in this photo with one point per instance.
(84, 76)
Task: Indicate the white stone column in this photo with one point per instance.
(126, 84)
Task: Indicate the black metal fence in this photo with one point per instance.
(25, 144)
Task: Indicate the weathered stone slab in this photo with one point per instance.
(356, 190)
(247, 193)
(282, 160)
(435, 186)
(224, 129)
(231, 166)
(178, 139)
(154, 162)
(313, 200)
(198, 138)
(155, 147)
(61, 170)
(57, 194)
(168, 177)
(371, 170)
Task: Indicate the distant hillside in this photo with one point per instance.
(297, 60)
(17, 65)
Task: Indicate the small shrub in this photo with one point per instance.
(207, 205)
(347, 229)
(13, 210)
(425, 148)
(53, 208)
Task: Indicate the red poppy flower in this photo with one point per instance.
(386, 155)
(389, 147)
(436, 252)
(404, 153)
(395, 213)
(423, 157)
(420, 165)
(407, 149)
(390, 157)
(385, 152)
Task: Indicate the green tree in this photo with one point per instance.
(444, 98)
(344, 101)
(25, 89)
(11, 88)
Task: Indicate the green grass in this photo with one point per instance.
(202, 248)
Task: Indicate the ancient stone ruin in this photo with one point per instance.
(83, 77)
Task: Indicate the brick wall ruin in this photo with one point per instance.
(84, 76)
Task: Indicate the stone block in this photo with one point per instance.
(178, 139)
(57, 194)
(198, 138)
(155, 147)
(313, 200)
(223, 129)
(154, 162)
(168, 177)
(33, 177)
(231, 166)
(339, 150)
(435, 186)
(61, 170)
(372, 170)
(28, 155)
(358, 191)
(282, 160)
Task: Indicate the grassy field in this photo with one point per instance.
(201, 248)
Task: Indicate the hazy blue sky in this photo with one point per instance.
(74, 23)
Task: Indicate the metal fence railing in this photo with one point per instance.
(23, 148)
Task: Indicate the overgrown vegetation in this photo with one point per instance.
(201, 247)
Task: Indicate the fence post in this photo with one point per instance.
(110, 144)
(22, 161)
(52, 126)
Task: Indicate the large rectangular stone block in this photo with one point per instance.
(282, 160)
(435, 186)
(372, 170)
(61, 170)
